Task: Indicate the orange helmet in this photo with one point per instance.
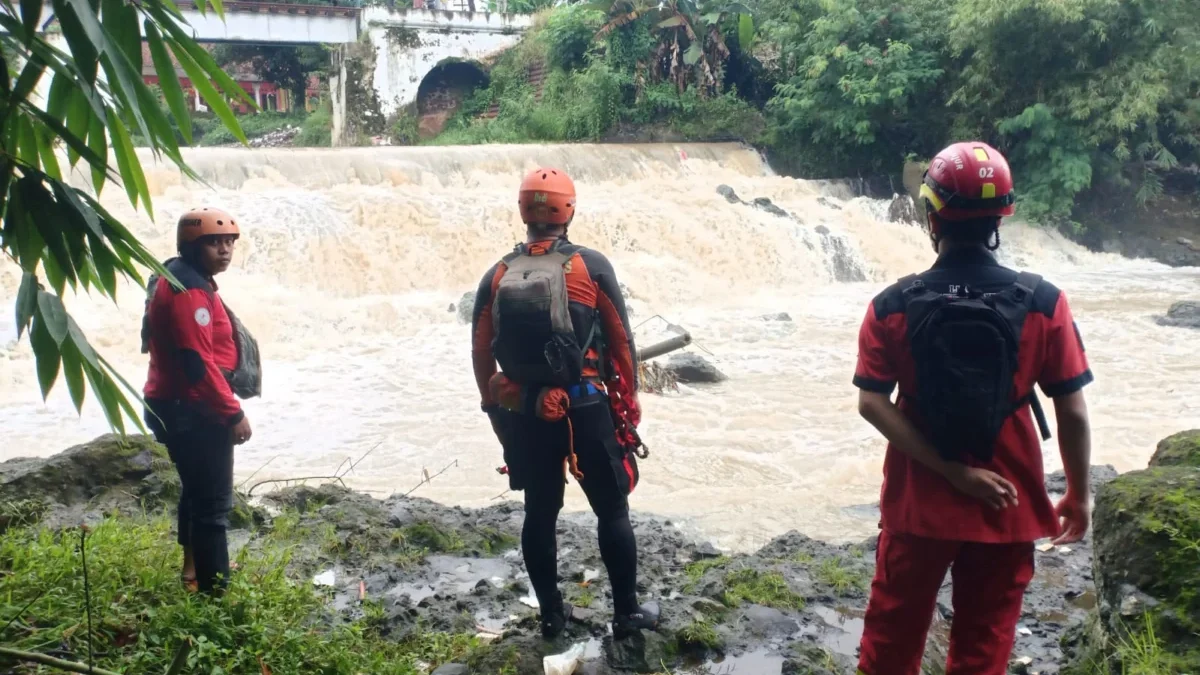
(547, 197)
(203, 222)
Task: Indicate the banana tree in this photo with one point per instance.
(690, 44)
(60, 235)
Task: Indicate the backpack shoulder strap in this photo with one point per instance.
(1028, 282)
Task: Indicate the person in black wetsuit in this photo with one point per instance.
(561, 298)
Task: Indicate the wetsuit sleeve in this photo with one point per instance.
(1065, 369)
(875, 370)
(483, 360)
(614, 317)
(191, 316)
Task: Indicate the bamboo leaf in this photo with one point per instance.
(131, 168)
(121, 23)
(78, 119)
(45, 352)
(215, 101)
(168, 80)
(74, 208)
(26, 302)
(135, 393)
(161, 125)
(43, 214)
(52, 312)
(107, 395)
(31, 17)
(17, 226)
(54, 275)
(81, 344)
(27, 146)
(105, 268)
(61, 92)
(98, 142)
(46, 151)
(201, 57)
(692, 55)
(30, 74)
(74, 142)
(84, 50)
(72, 370)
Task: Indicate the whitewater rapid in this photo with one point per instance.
(352, 258)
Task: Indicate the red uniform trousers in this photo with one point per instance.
(989, 583)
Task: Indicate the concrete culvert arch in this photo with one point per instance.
(443, 90)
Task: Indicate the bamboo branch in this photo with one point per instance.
(70, 666)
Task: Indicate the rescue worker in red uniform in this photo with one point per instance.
(190, 406)
(966, 342)
(551, 313)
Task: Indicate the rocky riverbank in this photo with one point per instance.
(794, 606)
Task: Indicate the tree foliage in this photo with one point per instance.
(58, 234)
(285, 65)
(1074, 91)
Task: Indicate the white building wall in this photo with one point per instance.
(399, 68)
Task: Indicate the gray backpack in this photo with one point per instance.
(535, 339)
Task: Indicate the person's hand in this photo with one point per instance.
(986, 486)
(635, 410)
(1074, 513)
(241, 431)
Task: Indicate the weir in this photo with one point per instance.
(351, 257)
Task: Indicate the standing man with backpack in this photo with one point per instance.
(551, 313)
(967, 341)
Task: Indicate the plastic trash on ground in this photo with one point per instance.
(565, 663)
(325, 578)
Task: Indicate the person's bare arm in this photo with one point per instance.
(1075, 446)
(984, 485)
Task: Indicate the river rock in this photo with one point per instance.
(692, 368)
(642, 652)
(903, 210)
(1182, 314)
(1098, 475)
(781, 316)
(729, 195)
(764, 204)
(466, 307)
(1147, 525)
(452, 669)
(1182, 449)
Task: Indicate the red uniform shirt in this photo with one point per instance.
(191, 341)
(916, 500)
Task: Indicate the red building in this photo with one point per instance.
(269, 96)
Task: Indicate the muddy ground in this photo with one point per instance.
(410, 564)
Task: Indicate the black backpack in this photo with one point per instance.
(965, 346)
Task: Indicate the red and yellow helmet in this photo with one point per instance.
(967, 181)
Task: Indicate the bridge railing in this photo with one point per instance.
(282, 8)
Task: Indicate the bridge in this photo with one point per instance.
(386, 58)
(274, 23)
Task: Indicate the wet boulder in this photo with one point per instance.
(1098, 474)
(764, 204)
(1147, 525)
(1182, 449)
(1181, 315)
(903, 210)
(83, 482)
(692, 368)
(466, 307)
(729, 195)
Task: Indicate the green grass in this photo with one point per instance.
(1142, 653)
(432, 536)
(141, 613)
(585, 599)
(695, 571)
(760, 588)
(699, 633)
(833, 572)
